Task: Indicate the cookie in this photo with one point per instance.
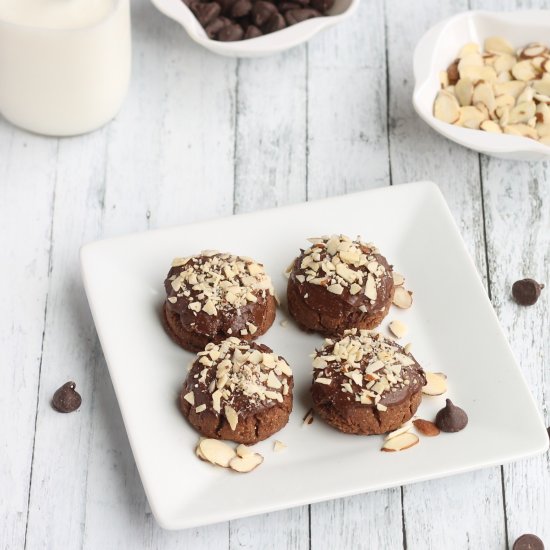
(238, 390)
(365, 383)
(213, 295)
(338, 284)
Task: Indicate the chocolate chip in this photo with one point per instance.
(451, 418)
(297, 16)
(452, 72)
(241, 8)
(66, 399)
(226, 5)
(322, 5)
(276, 23)
(230, 33)
(262, 11)
(526, 291)
(286, 6)
(252, 32)
(216, 26)
(205, 13)
(528, 542)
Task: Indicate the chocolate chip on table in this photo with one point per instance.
(528, 542)
(230, 33)
(297, 16)
(526, 291)
(66, 399)
(275, 23)
(252, 32)
(205, 13)
(451, 418)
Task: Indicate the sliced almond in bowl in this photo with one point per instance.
(464, 90)
(499, 45)
(522, 112)
(217, 452)
(533, 50)
(446, 107)
(247, 463)
(522, 130)
(471, 117)
(524, 70)
(436, 383)
(490, 126)
(400, 442)
(402, 298)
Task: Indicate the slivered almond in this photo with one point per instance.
(400, 443)
(436, 383)
(398, 328)
(425, 427)
(402, 298)
(216, 451)
(499, 45)
(232, 417)
(247, 463)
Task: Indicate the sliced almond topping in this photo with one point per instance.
(200, 408)
(325, 381)
(232, 417)
(402, 298)
(336, 288)
(190, 398)
(370, 288)
(273, 381)
(425, 427)
(354, 289)
(436, 384)
(407, 348)
(400, 442)
(398, 328)
(279, 446)
(247, 463)
(216, 452)
(172, 299)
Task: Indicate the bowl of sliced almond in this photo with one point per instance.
(482, 80)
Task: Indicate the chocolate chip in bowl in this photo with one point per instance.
(232, 20)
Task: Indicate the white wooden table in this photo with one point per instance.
(201, 136)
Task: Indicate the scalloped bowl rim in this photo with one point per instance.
(255, 47)
(426, 68)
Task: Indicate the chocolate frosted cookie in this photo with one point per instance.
(213, 295)
(365, 383)
(339, 284)
(239, 391)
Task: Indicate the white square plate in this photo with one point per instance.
(452, 326)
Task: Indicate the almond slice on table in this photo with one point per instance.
(243, 450)
(499, 45)
(279, 446)
(398, 279)
(425, 427)
(402, 298)
(398, 328)
(400, 442)
(436, 383)
(247, 463)
(217, 452)
(403, 429)
(446, 107)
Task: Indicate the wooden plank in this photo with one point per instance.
(27, 184)
(182, 171)
(347, 107)
(419, 153)
(270, 170)
(348, 151)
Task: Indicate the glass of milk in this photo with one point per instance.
(64, 64)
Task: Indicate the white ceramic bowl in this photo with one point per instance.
(439, 47)
(263, 45)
